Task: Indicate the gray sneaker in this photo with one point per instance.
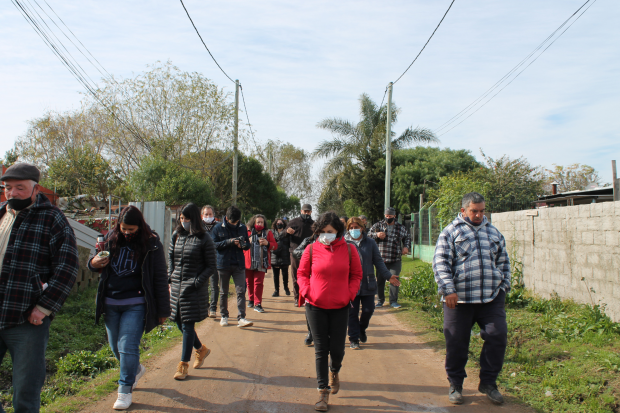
(456, 394)
(492, 393)
(395, 305)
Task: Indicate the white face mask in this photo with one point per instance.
(186, 225)
(208, 220)
(326, 238)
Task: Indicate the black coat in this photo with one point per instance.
(281, 257)
(154, 282)
(302, 228)
(192, 261)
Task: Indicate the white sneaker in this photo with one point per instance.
(224, 321)
(244, 323)
(141, 371)
(123, 402)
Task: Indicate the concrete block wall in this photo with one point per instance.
(572, 251)
(85, 277)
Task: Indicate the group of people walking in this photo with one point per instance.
(337, 265)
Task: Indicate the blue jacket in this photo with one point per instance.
(228, 254)
(371, 259)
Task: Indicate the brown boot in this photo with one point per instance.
(321, 405)
(182, 369)
(334, 381)
(201, 355)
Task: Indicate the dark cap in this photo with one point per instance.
(389, 211)
(22, 171)
(306, 207)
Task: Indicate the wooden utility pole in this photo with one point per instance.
(235, 145)
(388, 148)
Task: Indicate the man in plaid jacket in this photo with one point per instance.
(393, 240)
(38, 267)
(472, 271)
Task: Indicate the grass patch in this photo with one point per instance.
(80, 364)
(561, 356)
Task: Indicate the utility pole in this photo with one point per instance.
(269, 156)
(235, 145)
(615, 184)
(388, 148)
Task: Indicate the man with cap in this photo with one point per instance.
(393, 240)
(297, 230)
(38, 267)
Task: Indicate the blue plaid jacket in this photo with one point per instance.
(471, 261)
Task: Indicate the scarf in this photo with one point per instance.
(259, 253)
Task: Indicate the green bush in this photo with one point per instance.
(86, 363)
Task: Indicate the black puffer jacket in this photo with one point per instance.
(281, 257)
(192, 262)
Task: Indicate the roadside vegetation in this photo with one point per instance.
(78, 357)
(561, 356)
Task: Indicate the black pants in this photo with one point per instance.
(357, 323)
(329, 330)
(276, 277)
(294, 266)
(457, 324)
(214, 284)
(190, 339)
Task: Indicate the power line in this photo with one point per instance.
(246, 113)
(429, 39)
(499, 83)
(203, 42)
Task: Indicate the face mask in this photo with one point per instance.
(305, 217)
(186, 225)
(390, 220)
(208, 220)
(17, 204)
(280, 226)
(355, 233)
(259, 227)
(130, 237)
(326, 238)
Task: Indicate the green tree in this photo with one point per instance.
(10, 157)
(575, 177)
(160, 180)
(354, 154)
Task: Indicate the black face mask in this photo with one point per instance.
(305, 217)
(280, 226)
(390, 220)
(131, 237)
(19, 204)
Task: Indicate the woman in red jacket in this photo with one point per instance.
(258, 259)
(329, 277)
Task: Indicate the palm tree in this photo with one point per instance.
(356, 149)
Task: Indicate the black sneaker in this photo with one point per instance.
(456, 394)
(275, 294)
(308, 340)
(258, 308)
(287, 291)
(355, 345)
(363, 337)
(250, 304)
(379, 304)
(296, 303)
(492, 393)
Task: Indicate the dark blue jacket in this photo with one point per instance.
(371, 259)
(228, 254)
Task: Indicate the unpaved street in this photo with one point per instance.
(266, 368)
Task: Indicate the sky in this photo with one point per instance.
(302, 62)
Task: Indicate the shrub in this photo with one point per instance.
(86, 363)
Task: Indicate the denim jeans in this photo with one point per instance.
(125, 325)
(238, 275)
(357, 323)
(329, 331)
(190, 339)
(457, 324)
(214, 284)
(395, 268)
(27, 344)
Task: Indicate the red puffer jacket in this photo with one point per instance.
(329, 282)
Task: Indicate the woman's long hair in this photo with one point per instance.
(130, 216)
(192, 212)
(328, 218)
(274, 225)
(252, 221)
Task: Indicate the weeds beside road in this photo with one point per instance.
(561, 356)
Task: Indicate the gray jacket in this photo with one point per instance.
(371, 259)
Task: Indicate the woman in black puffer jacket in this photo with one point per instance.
(192, 262)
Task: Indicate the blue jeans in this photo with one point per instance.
(125, 325)
(190, 339)
(27, 344)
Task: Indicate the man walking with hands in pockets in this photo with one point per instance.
(472, 271)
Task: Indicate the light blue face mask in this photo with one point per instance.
(355, 233)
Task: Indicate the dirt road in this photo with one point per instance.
(266, 368)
